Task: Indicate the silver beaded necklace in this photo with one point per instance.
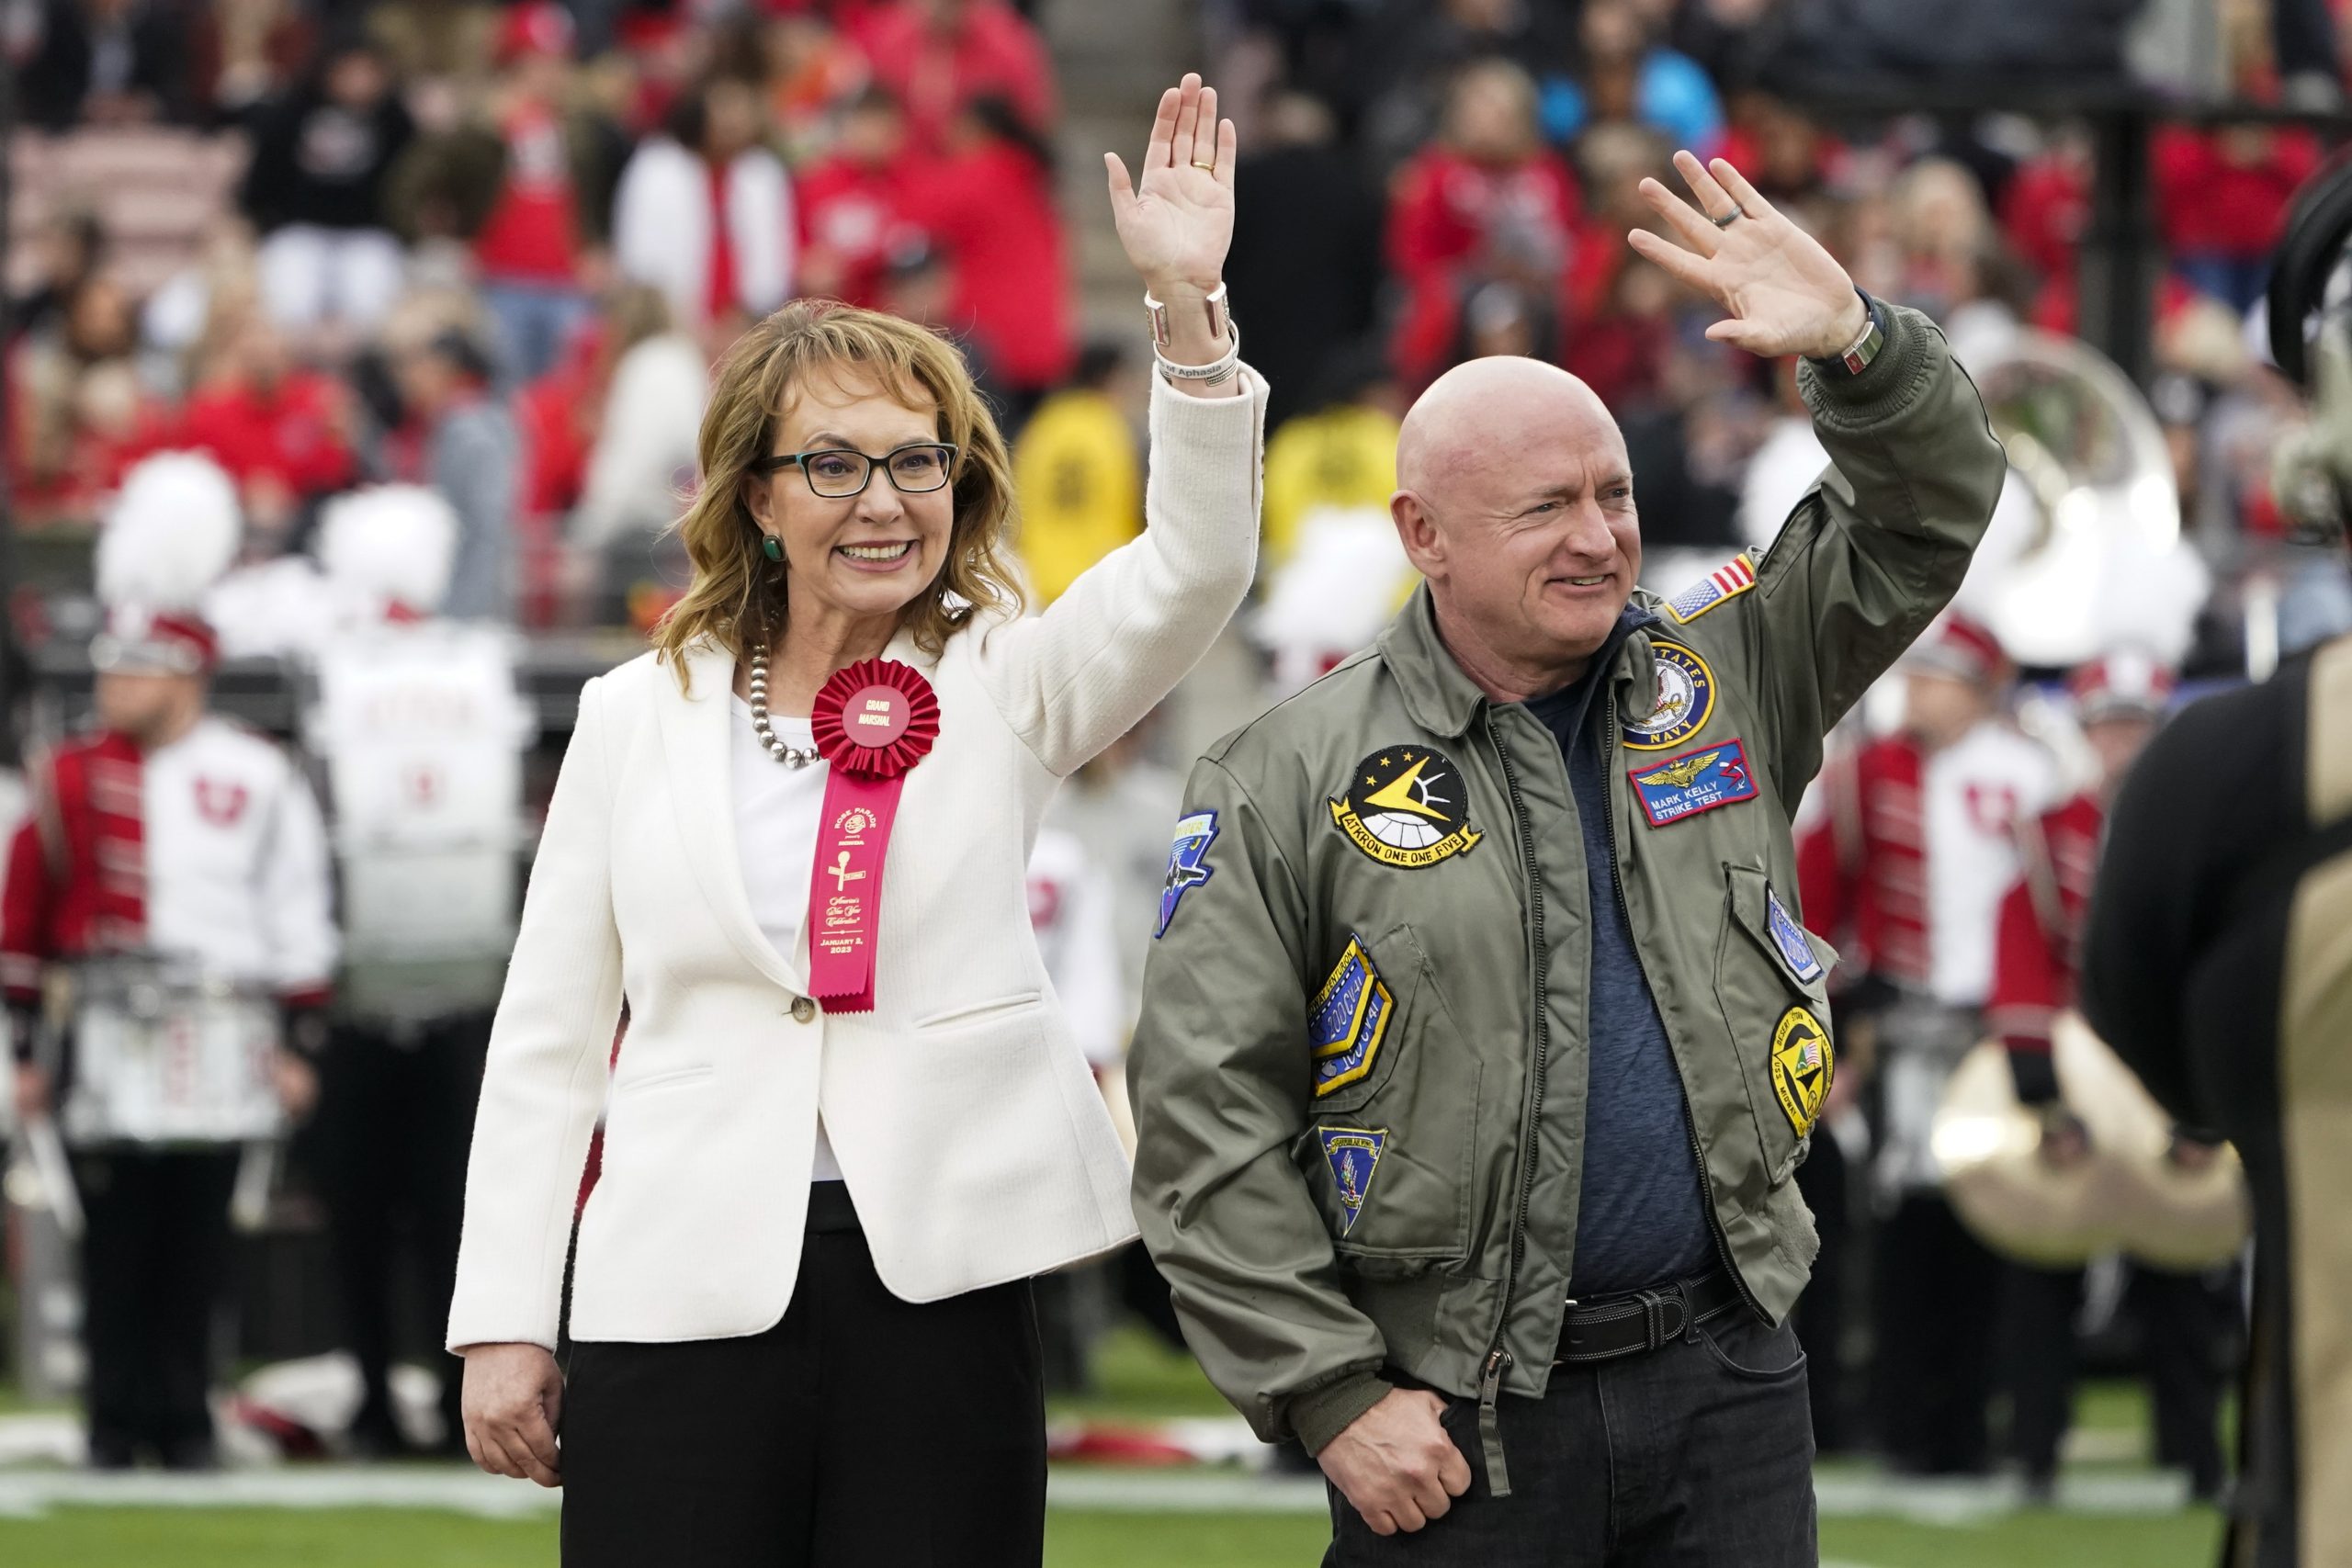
(790, 756)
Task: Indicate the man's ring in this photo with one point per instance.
(1726, 220)
(1205, 168)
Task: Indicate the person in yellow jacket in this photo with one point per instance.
(1341, 456)
(1078, 473)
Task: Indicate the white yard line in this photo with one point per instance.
(451, 1489)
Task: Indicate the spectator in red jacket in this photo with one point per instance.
(277, 429)
(529, 248)
(943, 56)
(852, 202)
(2221, 199)
(989, 205)
(1487, 202)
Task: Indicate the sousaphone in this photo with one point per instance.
(2126, 1196)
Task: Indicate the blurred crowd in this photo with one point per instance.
(495, 250)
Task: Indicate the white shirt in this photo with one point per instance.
(236, 854)
(1974, 791)
(776, 809)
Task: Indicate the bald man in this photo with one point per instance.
(1482, 1036)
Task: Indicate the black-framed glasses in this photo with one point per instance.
(839, 472)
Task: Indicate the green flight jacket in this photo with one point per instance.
(1359, 1078)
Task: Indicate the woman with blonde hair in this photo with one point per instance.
(847, 1122)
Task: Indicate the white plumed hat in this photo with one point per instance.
(392, 544)
(171, 531)
(173, 528)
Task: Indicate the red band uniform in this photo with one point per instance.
(1904, 870)
(2035, 967)
(206, 849)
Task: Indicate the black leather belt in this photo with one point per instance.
(1642, 1321)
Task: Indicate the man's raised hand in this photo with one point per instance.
(1781, 292)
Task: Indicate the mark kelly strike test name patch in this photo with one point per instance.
(1694, 782)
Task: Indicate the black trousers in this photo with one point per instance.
(2183, 1318)
(154, 1258)
(1696, 1455)
(395, 1117)
(1936, 1292)
(862, 1431)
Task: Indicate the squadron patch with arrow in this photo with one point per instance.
(1407, 806)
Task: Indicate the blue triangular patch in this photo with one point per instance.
(1188, 864)
(1353, 1154)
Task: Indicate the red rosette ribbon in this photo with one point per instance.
(873, 722)
(879, 718)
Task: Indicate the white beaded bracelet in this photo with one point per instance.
(1215, 374)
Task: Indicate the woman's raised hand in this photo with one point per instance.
(1178, 225)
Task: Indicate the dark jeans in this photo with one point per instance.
(862, 1431)
(1699, 1455)
(154, 1258)
(1826, 1181)
(395, 1116)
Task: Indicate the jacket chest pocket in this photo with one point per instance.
(1390, 1147)
(1771, 982)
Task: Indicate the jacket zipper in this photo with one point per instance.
(1689, 1118)
(1498, 1358)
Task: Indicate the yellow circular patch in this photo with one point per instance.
(1802, 1066)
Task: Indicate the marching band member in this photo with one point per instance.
(840, 1139)
(1911, 856)
(422, 734)
(173, 834)
(2119, 702)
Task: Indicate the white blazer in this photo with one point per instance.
(962, 1113)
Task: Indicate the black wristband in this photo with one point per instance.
(2036, 1076)
(302, 1028)
(24, 1029)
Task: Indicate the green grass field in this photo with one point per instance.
(1134, 1380)
(172, 1538)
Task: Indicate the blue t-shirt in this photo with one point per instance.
(1642, 1217)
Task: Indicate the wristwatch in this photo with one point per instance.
(1856, 356)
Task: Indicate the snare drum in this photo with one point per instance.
(165, 1056)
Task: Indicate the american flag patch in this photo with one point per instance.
(1726, 581)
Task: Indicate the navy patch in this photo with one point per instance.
(1694, 782)
(1790, 937)
(1726, 581)
(1407, 807)
(1188, 864)
(1350, 1019)
(1353, 1154)
(1801, 1068)
(1686, 699)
